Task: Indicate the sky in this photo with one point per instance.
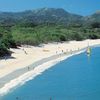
(81, 7)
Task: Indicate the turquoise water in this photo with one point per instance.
(77, 78)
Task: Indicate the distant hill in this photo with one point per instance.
(46, 15)
(43, 15)
(93, 18)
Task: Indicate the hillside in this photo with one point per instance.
(39, 16)
(45, 25)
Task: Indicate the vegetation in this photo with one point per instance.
(6, 41)
(43, 26)
(52, 33)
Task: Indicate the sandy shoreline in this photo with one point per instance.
(21, 76)
(36, 57)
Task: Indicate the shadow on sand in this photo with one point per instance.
(7, 57)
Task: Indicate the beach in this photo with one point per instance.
(28, 61)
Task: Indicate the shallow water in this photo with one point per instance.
(77, 78)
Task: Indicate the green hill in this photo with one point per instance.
(45, 25)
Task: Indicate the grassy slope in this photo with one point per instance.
(51, 33)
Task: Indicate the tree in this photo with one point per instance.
(95, 25)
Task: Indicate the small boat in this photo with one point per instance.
(88, 50)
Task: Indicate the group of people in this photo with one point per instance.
(62, 51)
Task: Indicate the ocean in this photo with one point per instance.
(76, 78)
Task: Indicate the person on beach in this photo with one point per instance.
(33, 68)
(71, 51)
(56, 52)
(25, 52)
(28, 68)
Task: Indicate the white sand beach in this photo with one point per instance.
(25, 56)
